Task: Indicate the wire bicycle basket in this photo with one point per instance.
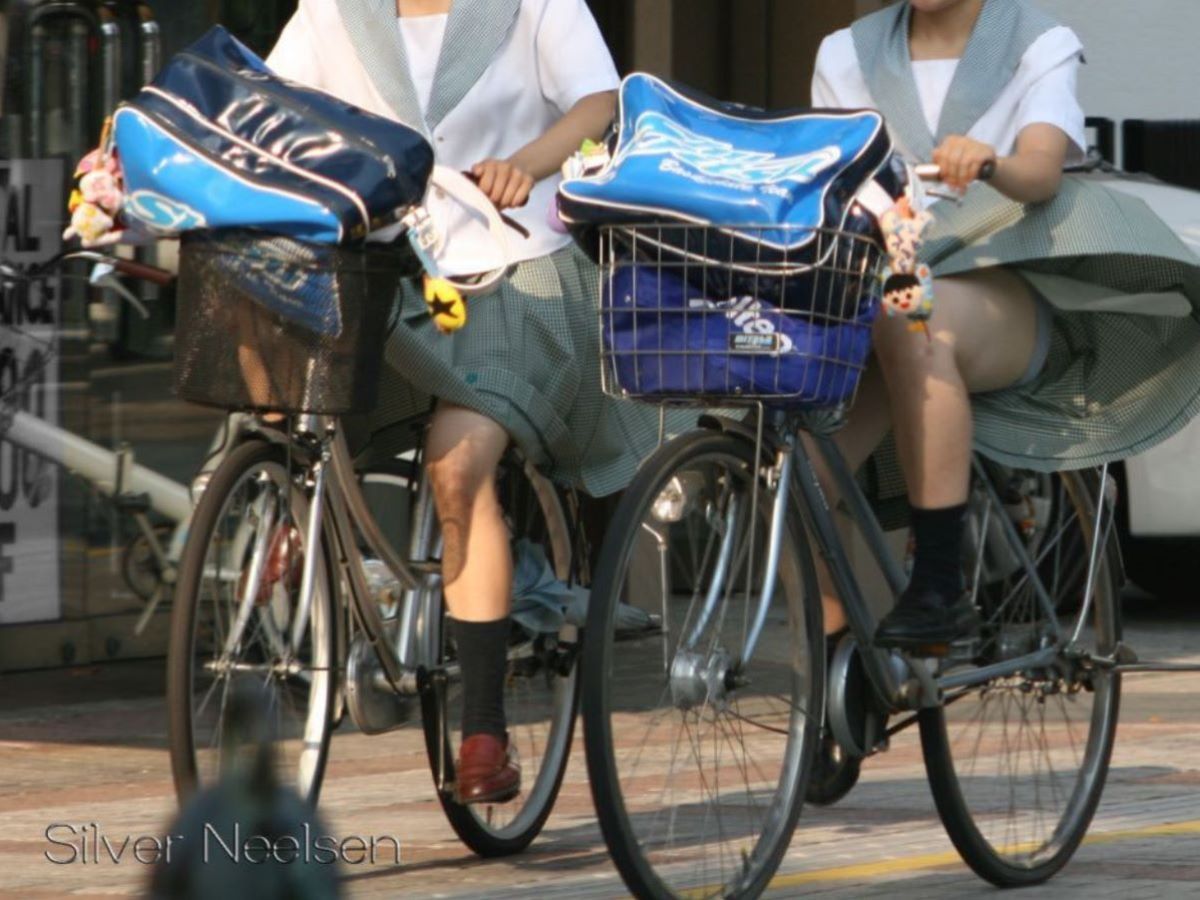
(693, 315)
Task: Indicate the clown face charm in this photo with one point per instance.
(909, 293)
(907, 283)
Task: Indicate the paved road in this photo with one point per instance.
(86, 746)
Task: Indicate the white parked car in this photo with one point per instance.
(1161, 502)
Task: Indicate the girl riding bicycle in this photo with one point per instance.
(1017, 362)
(505, 90)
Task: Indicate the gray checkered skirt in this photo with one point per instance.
(528, 359)
(1121, 375)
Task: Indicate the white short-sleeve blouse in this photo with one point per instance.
(554, 57)
(1043, 90)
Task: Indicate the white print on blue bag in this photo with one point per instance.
(704, 160)
(665, 339)
(680, 160)
(162, 215)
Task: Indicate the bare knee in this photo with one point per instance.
(993, 321)
(462, 452)
(983, 326)
(458, 478)
(906, 351)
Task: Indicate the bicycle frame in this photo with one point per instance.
(349, 511)
(894, 692)
(336, 505)
(862, 623)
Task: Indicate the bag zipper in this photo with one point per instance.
(174, 131)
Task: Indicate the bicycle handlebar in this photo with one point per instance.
(142, 271)
(933, 172)
(132, 268)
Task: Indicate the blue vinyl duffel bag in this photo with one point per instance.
(663, 339)
(218, 141)
(757, 198)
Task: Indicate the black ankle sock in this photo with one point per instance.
(937, 560)
(482, 655)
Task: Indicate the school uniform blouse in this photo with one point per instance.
(553, 56)
(1043, 90)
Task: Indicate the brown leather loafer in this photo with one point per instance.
(487, 771)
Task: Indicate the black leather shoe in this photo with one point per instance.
(925, 623)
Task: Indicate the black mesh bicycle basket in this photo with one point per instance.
(275, 324)
(721, 326)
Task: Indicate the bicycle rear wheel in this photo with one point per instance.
(1017, 765)
(540, 688)
(237, 621)
(698, 757)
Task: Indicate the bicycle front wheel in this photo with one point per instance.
(1017, 764)
(238, 622)
(698, 753)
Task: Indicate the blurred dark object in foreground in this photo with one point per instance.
(248, 837)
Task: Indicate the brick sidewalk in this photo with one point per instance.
(99, 757)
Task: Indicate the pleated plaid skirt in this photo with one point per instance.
(528, 359)
(1123, 371)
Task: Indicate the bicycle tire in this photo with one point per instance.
(960, 795)
(505, 829)
(181, 668)
(621, 806)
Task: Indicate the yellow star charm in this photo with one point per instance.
(446, 305)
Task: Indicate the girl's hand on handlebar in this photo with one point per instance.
(963, 160)
(505, 184)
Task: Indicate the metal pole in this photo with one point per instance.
(96, 464)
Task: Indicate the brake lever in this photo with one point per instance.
(104, 276)
(931, 173)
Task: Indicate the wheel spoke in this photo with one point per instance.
(697, 769)
(296, 690)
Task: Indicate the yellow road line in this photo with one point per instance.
(936, 860)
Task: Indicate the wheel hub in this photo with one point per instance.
(375, 708)
(699, 678)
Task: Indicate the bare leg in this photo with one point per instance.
(462, 452)
(982, 337)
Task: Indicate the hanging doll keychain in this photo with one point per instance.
(98, 196)
(907, 283)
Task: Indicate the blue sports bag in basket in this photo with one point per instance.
(219, 141)
(664, 339)
(774, 187)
